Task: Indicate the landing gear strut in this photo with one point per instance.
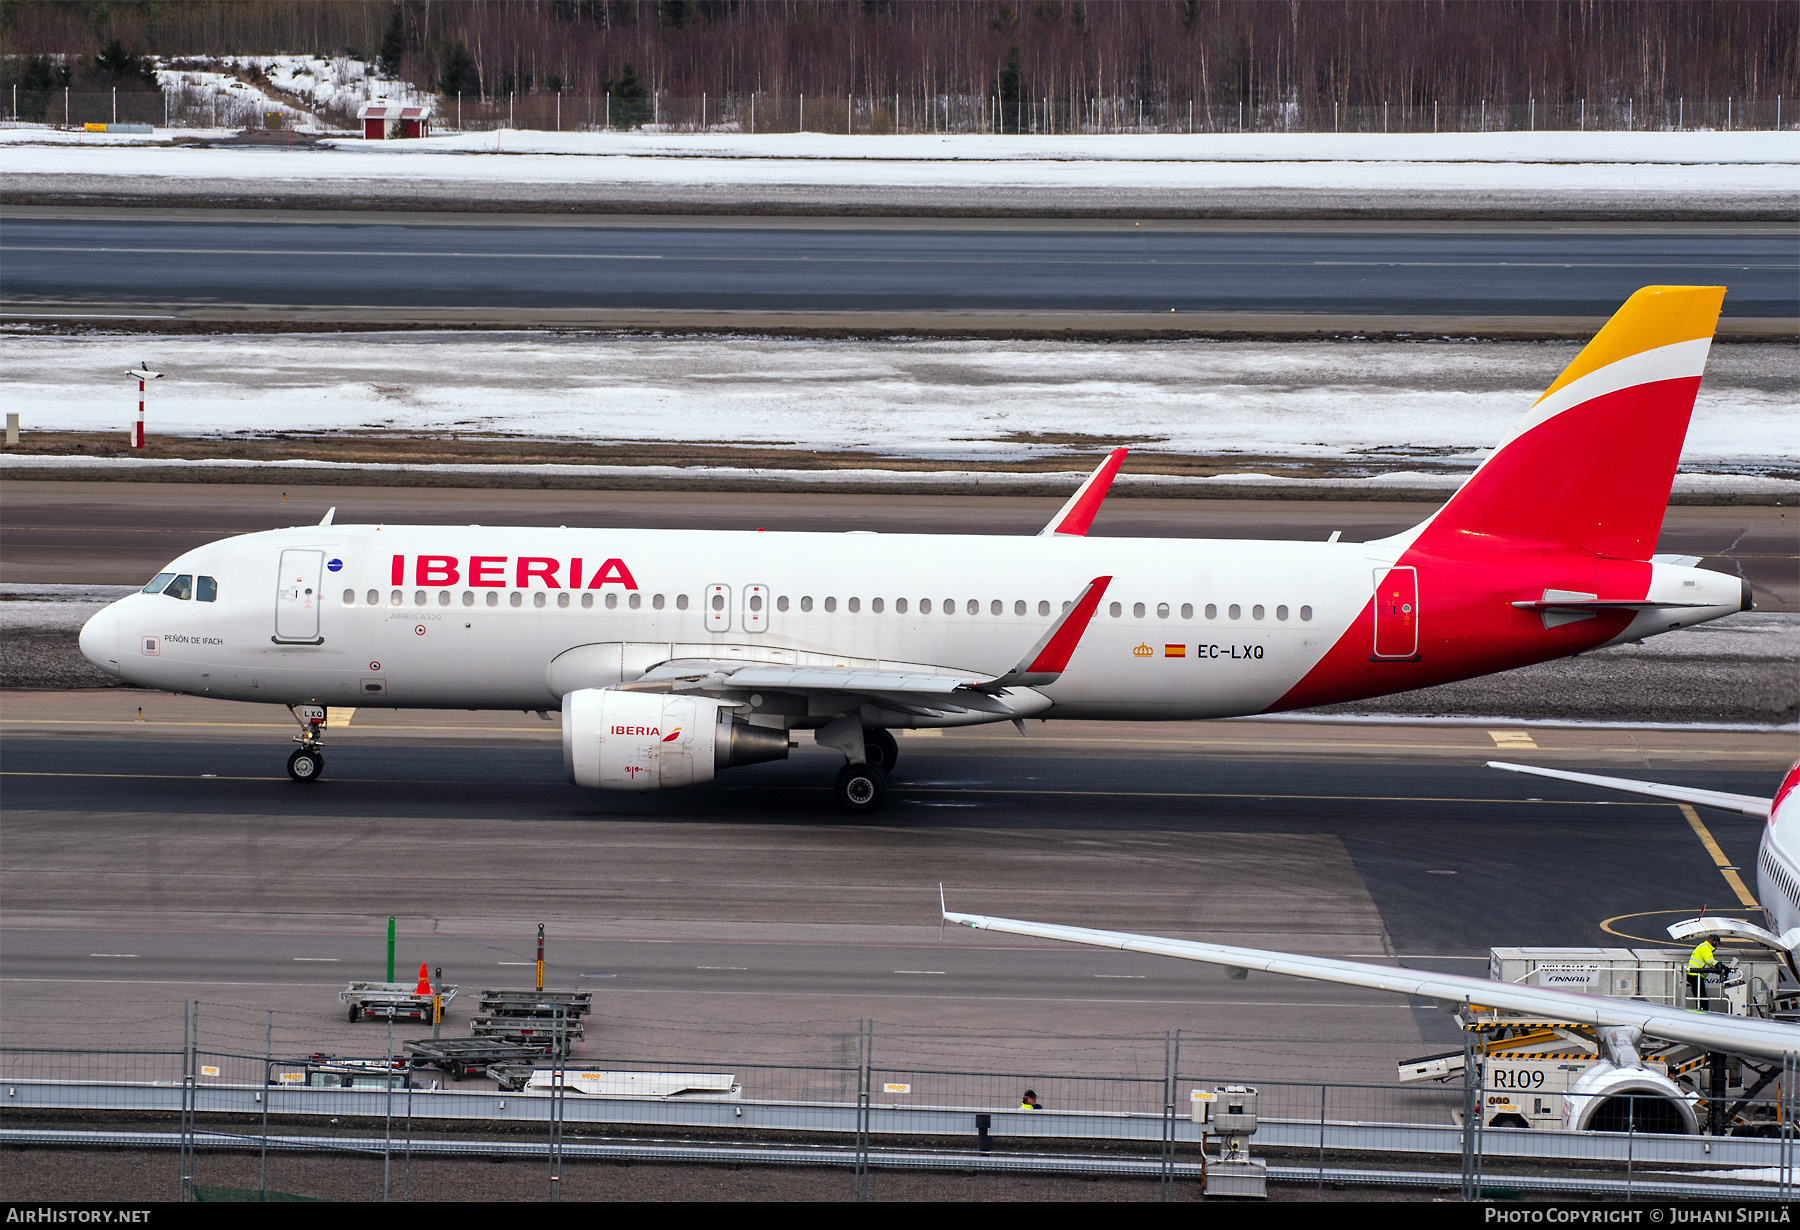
(880, 749)
(308, 763)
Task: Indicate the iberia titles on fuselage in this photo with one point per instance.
(738, 637)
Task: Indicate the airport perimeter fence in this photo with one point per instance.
(232, 1120)
(183, 106)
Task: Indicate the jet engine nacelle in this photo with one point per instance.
(1607, 1098)
(616, 740)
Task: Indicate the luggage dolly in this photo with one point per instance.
(465, 1057)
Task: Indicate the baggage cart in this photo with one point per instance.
(379, 999)
(464, 1057)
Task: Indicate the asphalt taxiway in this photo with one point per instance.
(150, 862)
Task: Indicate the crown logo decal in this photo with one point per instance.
(1143, 651)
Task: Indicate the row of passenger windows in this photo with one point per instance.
(540, 598)
(186, 586)
(948, 606)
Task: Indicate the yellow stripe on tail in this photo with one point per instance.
(1655, 316)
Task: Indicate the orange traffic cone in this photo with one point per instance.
(424, 987)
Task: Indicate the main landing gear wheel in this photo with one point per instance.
(880, 749)
(306, 765)
(860, 787)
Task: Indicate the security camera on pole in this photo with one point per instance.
(141, 373)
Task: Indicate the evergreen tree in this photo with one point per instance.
(630, 100)
(393, 45)
(1011, 92)
(459, 75)
(120, 67)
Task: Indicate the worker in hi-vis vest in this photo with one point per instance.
(1703, 962)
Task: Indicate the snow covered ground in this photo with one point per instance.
(1609, 164)
(1378, 407)
(227, 92)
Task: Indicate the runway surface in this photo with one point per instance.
(746, 921)
(69, 263)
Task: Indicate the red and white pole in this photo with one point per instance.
(143, 375)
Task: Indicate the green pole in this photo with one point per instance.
(390, 976)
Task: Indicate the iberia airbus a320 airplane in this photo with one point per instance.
(676, 653)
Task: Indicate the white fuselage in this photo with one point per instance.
(1778, 860)
(472, 617)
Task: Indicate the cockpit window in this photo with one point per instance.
(206, 589)
(158, 583)
(181, 587)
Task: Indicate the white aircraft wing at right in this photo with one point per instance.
(1713, 1031)
(1748, 804)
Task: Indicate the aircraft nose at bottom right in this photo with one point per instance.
(100, 640)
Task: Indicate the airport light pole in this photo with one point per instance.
(143, 375)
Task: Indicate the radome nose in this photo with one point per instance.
(100, 640)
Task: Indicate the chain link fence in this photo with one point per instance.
(191, 106)
(239, 1106)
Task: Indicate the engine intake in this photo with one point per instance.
(615, 740)
(1608, 1098)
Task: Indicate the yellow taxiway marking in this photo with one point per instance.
(1513, 740)
(1744, 895)
(978, 744)
(1663, 941)
(1110, 794)
(903, 790)
(155, 777)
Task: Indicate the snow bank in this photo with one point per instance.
(1218, 485)
(1386, 405)
(1622, 163)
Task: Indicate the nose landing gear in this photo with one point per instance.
(308, 763)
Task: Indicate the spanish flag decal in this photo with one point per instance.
(1174, 651)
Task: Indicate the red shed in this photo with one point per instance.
(412, 119)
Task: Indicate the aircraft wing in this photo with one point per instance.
(918, 690)
(1747, 804)
(913, 691)
(1073, 519)
(1711, 1030)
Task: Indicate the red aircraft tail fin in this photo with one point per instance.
(1591, 464)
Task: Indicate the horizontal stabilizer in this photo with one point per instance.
(1605, 604)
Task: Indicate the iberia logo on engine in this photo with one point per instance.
(636, 730)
